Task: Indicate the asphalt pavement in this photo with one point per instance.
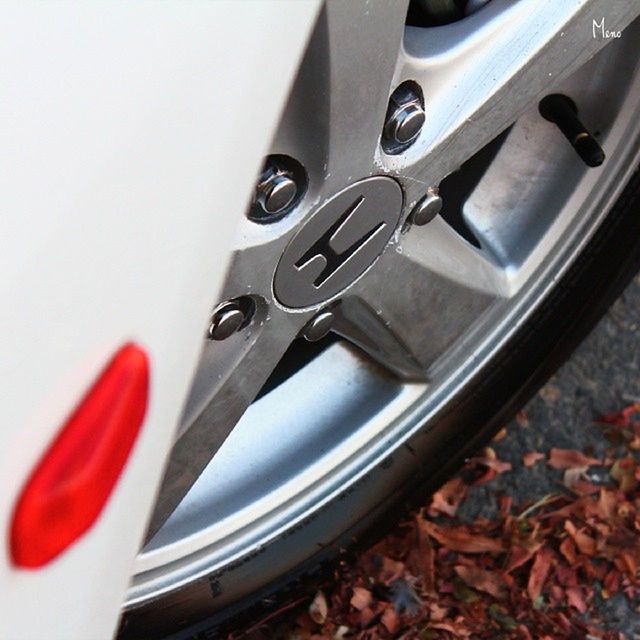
(601, 377)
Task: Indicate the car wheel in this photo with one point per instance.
(445, 212)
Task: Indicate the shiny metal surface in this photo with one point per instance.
(427, 209)
(405, 119)
(407, 122)
(427, 307)
(276, 192)
(226, 320)
(319, 326)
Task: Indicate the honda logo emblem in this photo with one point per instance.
(338, 243)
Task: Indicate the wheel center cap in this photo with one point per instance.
(338, 243)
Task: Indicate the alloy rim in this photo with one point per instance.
(421, 313)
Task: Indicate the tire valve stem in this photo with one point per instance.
(563, 112)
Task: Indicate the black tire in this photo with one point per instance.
(515, 373)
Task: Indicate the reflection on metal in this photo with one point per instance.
(226, 320)
(319, 326)
(280, 188)
(427, 209)
(426, 297)
(358, 322)
(405, 117)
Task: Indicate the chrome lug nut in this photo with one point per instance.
(318, 327)
(405, 117)
(227, 318)
(405, 123)
(281, 185)
(427, 209)
(276, 191)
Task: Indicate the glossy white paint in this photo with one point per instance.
(131, 134)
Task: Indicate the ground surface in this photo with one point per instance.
(602, 376)
(566, 568)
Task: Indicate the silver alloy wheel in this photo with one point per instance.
(426, 306)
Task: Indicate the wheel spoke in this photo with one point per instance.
(338, 103)
(229, 377)
(480, 74)
(415, 303)
(359, 322)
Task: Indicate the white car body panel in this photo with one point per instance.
(131, 134)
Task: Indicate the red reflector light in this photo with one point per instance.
(73, 480)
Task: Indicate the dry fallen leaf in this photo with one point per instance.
(567, 458)
(448, 498)
(585, 543)
(391, 620)
(568, 550)
(501, 435)
(573, 475)
(486, 467)
(457, 629)
(576, 479)
(529, 571)
(539, 572)
(624, 473)
(575, 598)
(529, 459)
(487, 581)
(391, 570)
(624, 417)
(361, 598)
(318, 608)
(342, 633)
(460, 539)
(520, 555)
